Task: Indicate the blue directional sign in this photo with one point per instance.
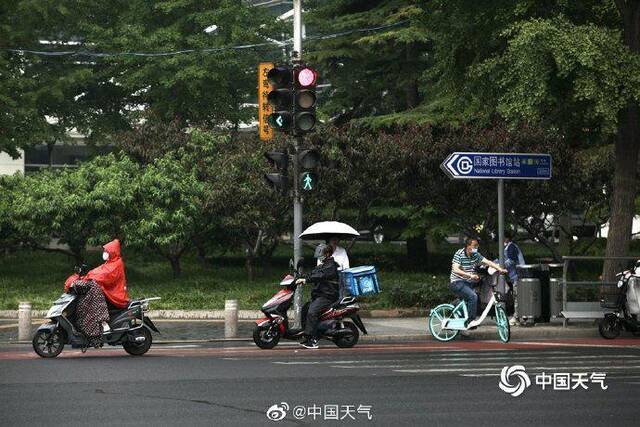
(497, 166)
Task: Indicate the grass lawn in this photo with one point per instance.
(39, 277)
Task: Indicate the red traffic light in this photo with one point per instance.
(306, 77)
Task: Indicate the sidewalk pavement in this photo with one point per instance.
(380, 329)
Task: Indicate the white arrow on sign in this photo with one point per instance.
(279, 121)
(449, 164)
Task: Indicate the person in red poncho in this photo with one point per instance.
(111, 281)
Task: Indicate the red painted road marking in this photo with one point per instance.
(412, 347)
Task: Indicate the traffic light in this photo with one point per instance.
(308, 160)
(280, 98)
(304, 105)
(278, 181)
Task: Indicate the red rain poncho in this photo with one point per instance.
(110, 276)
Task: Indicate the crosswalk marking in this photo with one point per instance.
(466, 360)
(488, 363)
(577, 364)
(557, 344)
(529, 369)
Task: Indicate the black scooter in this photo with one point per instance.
(612, 323)
(129, 328)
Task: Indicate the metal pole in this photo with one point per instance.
(565, 270)
(297, 202)
(501, 285)
(24, 321)
(297, 29)
(231, 318)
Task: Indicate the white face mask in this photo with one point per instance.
(105, 255)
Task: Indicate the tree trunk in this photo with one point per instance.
(174, 260)
(202, 255)
(411, 92)
(564, 223)
(417, 253)
(50, 146)
(412, 96)
(626, 156)
(624, 190)
(250, 266)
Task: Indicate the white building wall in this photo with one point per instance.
(9, 166)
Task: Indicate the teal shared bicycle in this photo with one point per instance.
(447, 320)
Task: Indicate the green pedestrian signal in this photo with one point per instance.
(308, 181)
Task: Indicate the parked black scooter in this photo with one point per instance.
(612, 323)
(129, 328)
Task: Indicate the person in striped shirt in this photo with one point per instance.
(463, 275)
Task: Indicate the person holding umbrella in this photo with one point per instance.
(339, 253)
(331, 232)
(325, 277)
(325, 292)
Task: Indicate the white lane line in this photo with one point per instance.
(471, 366)
(466, 365)
(464, 361)
(182, 346)
(497, 350)
(626, 377)
(426, 356)
(529, 368)
(557, 344)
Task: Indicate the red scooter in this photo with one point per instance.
(332, 326)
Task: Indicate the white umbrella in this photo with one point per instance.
(327, 229)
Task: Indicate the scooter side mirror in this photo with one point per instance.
(291, 263)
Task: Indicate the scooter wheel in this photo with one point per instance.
(138, 349)
(609, 327)
(265, 338)
(47, 344)
(348, 341)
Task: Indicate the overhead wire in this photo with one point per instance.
(84, 52)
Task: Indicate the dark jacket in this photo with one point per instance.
(325, 280)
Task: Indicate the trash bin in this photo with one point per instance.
(556, 270)
(555, 297)
(527, 270)
(529, 298)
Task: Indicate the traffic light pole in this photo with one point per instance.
(297, 201)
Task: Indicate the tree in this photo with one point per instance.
(104, 86)
(74, 207)
(171, 202)
(371, 73)
(571, 66)
(38, 93)
(252, 216)
(9, 238)
(206, 89)
(395, 175)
